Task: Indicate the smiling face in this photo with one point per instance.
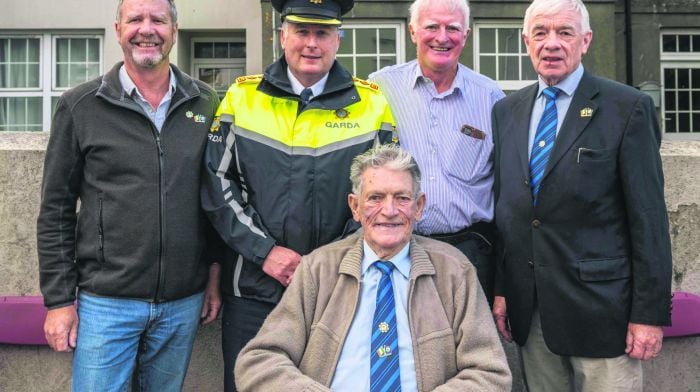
(309, 50)
(387, 208)
(146, 33)
(556, 44)
(439, 35)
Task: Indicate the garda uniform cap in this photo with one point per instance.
(323, 12)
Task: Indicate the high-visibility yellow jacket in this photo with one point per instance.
(278, 171)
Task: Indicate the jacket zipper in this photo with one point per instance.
(161, 213)
(100, 235)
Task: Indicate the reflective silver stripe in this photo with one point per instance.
(226, 118)
(237, 276)
(226, 185)
(386, 127)
(309, 151)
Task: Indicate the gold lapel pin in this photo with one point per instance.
(586, 112)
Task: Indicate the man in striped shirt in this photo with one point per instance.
(443, 113)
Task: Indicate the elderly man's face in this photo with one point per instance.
(439, 36)
(556, 44)
(146, 32)
(309, 50)
(387, 209)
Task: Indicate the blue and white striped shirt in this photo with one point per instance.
(457, 173)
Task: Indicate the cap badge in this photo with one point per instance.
(315, 1)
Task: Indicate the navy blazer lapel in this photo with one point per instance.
(521, 115)
(579, 115)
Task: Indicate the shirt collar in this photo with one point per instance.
(316, 88)
(568, 85)
(419, 77)
(129, 86)
(401, 260)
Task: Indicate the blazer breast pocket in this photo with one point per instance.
(584, 154)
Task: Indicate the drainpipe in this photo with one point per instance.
(628, 42)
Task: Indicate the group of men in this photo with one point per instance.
(344, 262)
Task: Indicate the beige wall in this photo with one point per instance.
(98, 16)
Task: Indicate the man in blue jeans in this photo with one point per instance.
(129, 146)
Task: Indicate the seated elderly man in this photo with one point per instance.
(381, 310)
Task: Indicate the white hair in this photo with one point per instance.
(419, 6)
(552, 7)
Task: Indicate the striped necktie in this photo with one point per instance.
(384, 371)
(544, 140)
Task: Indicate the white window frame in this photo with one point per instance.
(675, 60)
(47, 69)
(399, 27)
(508, 85)
(196, 64)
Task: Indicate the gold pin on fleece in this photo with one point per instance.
(586, 112)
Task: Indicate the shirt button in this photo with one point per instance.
(531, 264)
(536, 223)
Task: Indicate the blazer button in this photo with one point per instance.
(531, 264)
(536, 223)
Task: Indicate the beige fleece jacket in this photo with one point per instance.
(455, 343)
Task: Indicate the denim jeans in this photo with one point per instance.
(114, 332)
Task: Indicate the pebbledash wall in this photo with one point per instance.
(37, 368)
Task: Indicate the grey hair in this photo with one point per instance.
(389, 156)
(418, 6)
(552, 7)
(173, 11)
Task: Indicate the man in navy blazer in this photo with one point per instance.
(583, 285)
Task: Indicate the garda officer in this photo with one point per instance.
(277, 162)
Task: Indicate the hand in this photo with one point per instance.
(501, 317)
(643, 341)
(61, 328)
(281, 263)
(212, 296)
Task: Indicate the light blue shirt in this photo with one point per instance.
(352, 371)
(316, 88)
(457, 174)
(157, 115)
(568, 87)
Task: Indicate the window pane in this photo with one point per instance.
(20, 114)
(33, 50)
(18, 50)
(385, 61)
(365, 66)
(671, 122)
(33, 75)
(237, 50)
(93, 54)
(669, 78)
(4, 77)
(387, 41)
(696, 101)
(62, 47)
(220, 50)
(528, 72)
(93, 71)
(683, 78)
(696, 123)
(488, 66)
(78, 50)
(683, 100)
(346, 62)
(508, 40)
(696, 44)
(78, 74)
(684, 43)
(34, 112)
(346, 41)
(670, 100)
(683, 122)
(203, 50)
(669, 43)
(695, 77)
(18, 76)
(366, 41)
(62, 79)
(4, 50)
(487, 40)
(508, 68)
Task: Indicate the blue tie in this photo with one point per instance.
(544, 140)
(384, 371)
(305, 95)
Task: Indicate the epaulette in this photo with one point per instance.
(248, 78)
(366, 84)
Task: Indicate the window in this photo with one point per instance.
(680, 72)
(36, 68)
(365, 48)
(500, 54)
(218, 62)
